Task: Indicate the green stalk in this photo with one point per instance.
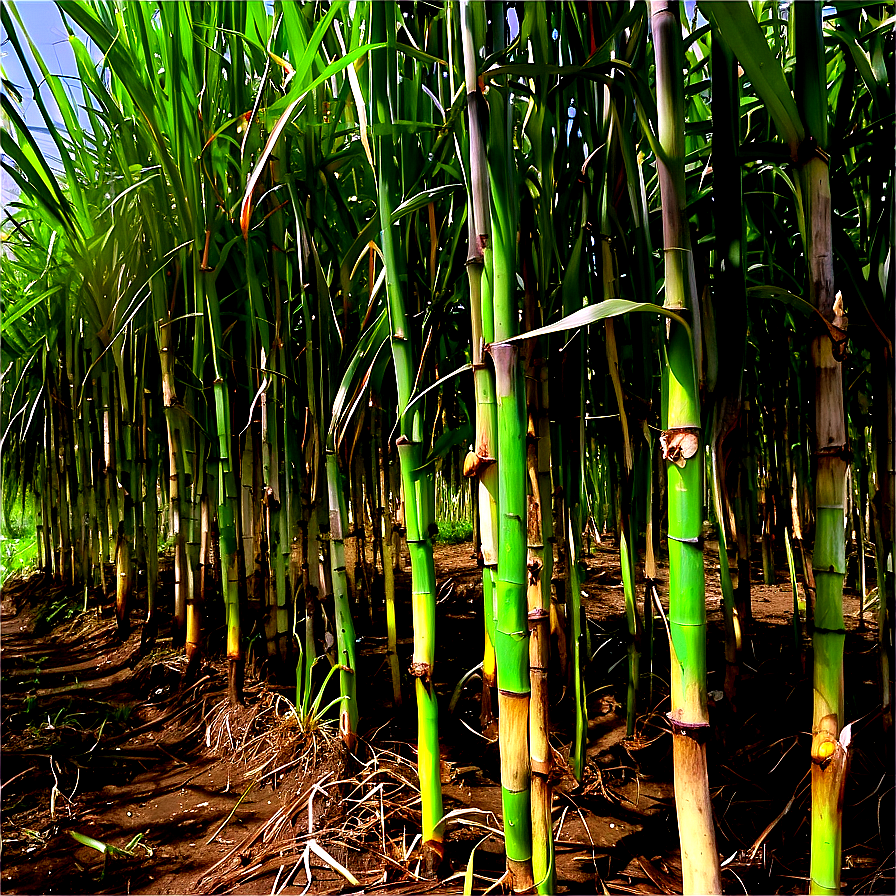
(729, 310)
(730, 617)
(311, 590)
(512, 630)
(229, 554)
(345, 627)
(176, 424)
(571, 471)
(829, 754)
(624, 528)
(274, 517)
(228, 501)
(791, 568)
(540, 563)
(627, 564)
(480, 463)
(387, 526)
(389, 588)
(417, 486)
(423, 584)
(193, 643)
(882, 515)
(682, 451)
(573, 538)
(650, 576)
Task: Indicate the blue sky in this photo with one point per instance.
(44, 24)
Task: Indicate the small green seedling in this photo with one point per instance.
(134, 848)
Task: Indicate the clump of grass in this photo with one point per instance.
(18, 556)
(18, 540)
(60, 607)
(454, 532)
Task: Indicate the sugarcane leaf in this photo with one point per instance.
(90, 842)
(301, 88)
(33, 166)
(332, 69)
(72, 127)
(360, 107)
(738, 27)
(309, 53)
(353, 380)
(381, 358)
(114, 52)
(591, 314)
(459, 435)
(846, 36)
(468, 873)
(435, 385)
(322, 854)
(419, 55)
(423, 199)
(315, 706)
(9, 319)
(798, 303)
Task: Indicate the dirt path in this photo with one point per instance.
(94, 744)
(97, 741)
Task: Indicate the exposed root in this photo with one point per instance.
(332, 826)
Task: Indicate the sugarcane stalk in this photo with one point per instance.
(829, 754)
(882, 515)
(579, 651)
(387, 525)
(152, 471)
(176, 426)
(573, 439)
(417, 487)
(512, 629)
(729, 309)
(539, 562)
(624, 528)
(194, 607)
(480, 463)
(730, 617)
(228, 500)
(345, 627)
(682, 450)
(791, 569)
(230, 576)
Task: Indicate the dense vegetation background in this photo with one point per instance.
(264, 300)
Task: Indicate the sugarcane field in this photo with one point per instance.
(447, 447)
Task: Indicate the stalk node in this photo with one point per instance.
(422, 671)
(809, 149)
(538, 616)
(696, 731)
(520, 872)
(844, 452)
(698, 541)
(475, 464)
(433, 855)
(534, 568)
(680, 443)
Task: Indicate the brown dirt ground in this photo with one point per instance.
(100, 741)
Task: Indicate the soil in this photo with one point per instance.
(102, 741)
